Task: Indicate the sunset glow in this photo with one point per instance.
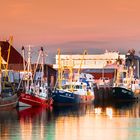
(91, 24)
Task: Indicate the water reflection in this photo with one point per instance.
(126, 109)
(34, 123)
(76, 110)
(8, 120)
(117, 121)
(124, 120)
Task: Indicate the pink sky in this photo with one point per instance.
(102, 24)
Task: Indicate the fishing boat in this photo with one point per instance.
(8, 95)
(36, 92)
(73, 91)
(126, 86)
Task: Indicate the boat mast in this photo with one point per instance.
(29, 67)
(42, 65)
(83, 56)
(8, 56)
(59, 70)
(24, 69)
(131, 75)
(37, 63)
(71, 73)
(71, 70)
(117, 80)
(23, 55)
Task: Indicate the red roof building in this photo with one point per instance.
(15, 58)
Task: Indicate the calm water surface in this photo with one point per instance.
(120, 121)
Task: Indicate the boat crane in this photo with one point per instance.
(70, 68)
(83, 57)
(6, 76)
(9, 49)
(60, 69)
(73, 92)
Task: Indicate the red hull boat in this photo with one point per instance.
(34, 101)
(36, 92)
(29, 112)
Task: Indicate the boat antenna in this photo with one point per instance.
(42, 64)
(23, 53)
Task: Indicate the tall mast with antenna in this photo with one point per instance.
(29, 66)
(23, 55)
(42, 64)
(59, 70)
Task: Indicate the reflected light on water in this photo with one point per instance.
(26, 129)
(109, 112)
(98, 111)
(31, 123)
(87, 122)
(90, 126)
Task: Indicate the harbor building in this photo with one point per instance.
(134, 61)
(49, 74)
(15, 58)
(99, 65)
(15, 65)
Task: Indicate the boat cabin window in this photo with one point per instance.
(74, 87)
(65, 86)
(78, 87)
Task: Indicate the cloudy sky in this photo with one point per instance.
(72, 25)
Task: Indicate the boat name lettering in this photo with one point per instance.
(28, 96)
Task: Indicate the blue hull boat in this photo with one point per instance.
(65, 97)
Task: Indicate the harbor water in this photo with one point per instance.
(117, 121)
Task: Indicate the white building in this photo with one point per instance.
(92, 61)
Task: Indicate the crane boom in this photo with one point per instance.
(8, 56)
(83, 56)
